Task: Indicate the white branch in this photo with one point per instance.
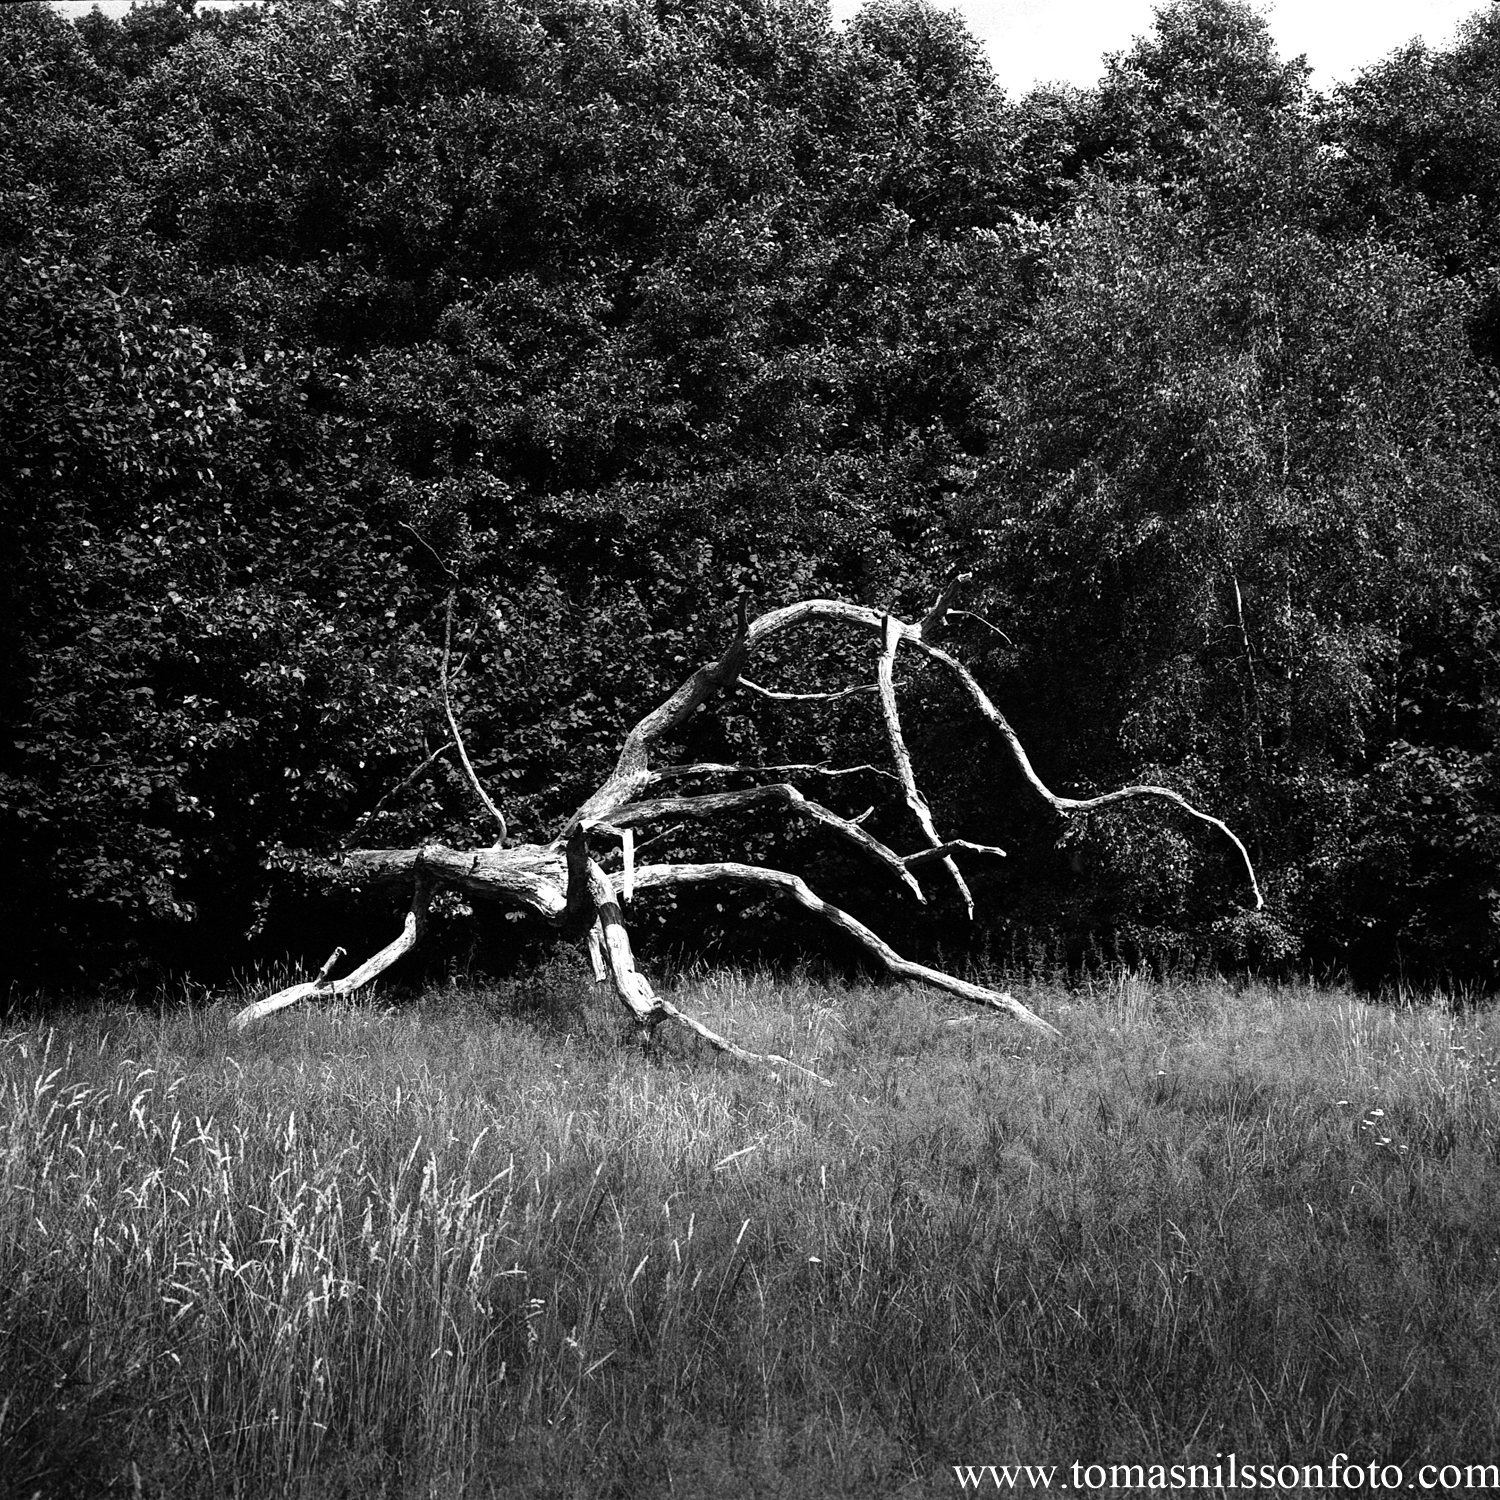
(633, 988)
(632, 773)
(935, 618)
(609, 942)
(411, 935)
(770, 1060)
(710, 803)
(953, 846)
(716, 768)
(1080, 804)
(968, 614)
(780, 697)
(891, 629)
(648, 877)
(458, 738)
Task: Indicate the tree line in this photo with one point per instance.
(599, 316)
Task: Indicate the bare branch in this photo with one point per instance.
(891, 629)
(395, 791)
(411, 935)
(632, 772)
(968, 614)
(932, 622)
(609, 948)
(769, 1060)
(789, 616)
(329, 964)
(714, 768)
(1080, 804)
(953, 846)
(436, 556)
(709, 804)
(649, 877)
(670, 831)
(780, 697)
(633, 988)
(458, 738)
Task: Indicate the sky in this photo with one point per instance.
(1064, 41)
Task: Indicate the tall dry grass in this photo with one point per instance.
(475, 1247)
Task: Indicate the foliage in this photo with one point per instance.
(1234, 486)
(604, 315)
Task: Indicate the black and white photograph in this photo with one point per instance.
(749, 749)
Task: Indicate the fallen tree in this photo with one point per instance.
(568, 885)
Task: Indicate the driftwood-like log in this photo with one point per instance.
(410, 936)
(564, 882)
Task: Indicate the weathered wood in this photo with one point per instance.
(952, 846)
(1012, 742)
(565, 883)
(707, 804)
(410, 936)
(531, 875)
(649, 877)
(890, 638)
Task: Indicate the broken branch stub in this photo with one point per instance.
(565, 883)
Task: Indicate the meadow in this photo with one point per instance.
(472, 1245)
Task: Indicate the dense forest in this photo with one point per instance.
(602, 315)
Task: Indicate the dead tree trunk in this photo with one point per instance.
(566, 884)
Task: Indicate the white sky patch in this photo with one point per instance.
(1065, 41)
(114, 9)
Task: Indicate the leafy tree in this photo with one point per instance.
(193, 682)
(1236, 475)
(601, 315)
(1205, 85)
(1416, 137)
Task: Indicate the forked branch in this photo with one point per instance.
(609, 950)
(890, 633)
(564, 882)
(708, 804)
(1012, 742)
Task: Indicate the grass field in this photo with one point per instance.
(474, 1246)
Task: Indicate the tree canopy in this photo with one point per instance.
(600, 316)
